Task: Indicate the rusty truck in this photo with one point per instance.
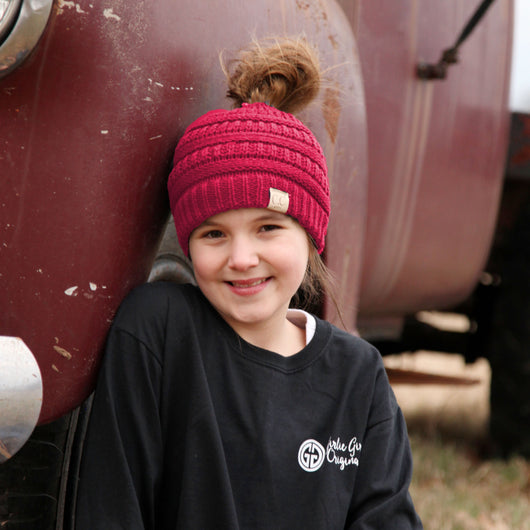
(429, 177)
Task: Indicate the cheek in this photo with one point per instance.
(297, 256)
(204, 275)
(201, 263)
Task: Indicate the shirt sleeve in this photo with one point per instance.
(122, 454)
(381, 496)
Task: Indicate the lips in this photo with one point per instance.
(247, 283)
(248, 287)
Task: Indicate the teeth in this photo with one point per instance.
(257, 282)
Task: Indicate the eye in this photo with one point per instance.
(270, 228)
(213, 234)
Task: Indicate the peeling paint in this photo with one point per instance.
(55, 368)
(151, 82)
(61, 4)
(61, 351)
(65, 3)
(155, 137)
(334, 42)
(71, 291)
(108, 13)
(104, 131)
(93, 286)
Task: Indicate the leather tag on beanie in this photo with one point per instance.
(278, 200)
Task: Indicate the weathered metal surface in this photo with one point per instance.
(436, 149)
(88, 124)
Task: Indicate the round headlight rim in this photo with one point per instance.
(9, 17)
(25, 34)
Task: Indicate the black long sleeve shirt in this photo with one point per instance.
(194, 428)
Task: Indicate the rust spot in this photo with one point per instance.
(334, 42)
(303, 5)
(61, 351)
(331, 110)
(323, 11)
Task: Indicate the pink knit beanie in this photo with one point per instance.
(254, 156)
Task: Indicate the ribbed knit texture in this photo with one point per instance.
(228, 160)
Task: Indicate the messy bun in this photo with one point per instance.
(286, 75)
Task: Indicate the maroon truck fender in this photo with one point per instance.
(88, 124)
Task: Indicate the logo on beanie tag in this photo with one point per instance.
(278, 200)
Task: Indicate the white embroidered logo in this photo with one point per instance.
(343, 454)
(311, 455)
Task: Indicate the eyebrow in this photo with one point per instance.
(271, 216)
(268, 216)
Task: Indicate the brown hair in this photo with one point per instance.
(318, 281)
(285, 74)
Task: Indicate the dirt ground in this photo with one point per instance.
(462, 411)
(454, 487)
(459, 410)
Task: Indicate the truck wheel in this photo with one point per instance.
(509, 346)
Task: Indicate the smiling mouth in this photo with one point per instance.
(247, 283)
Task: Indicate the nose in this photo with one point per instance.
(243, 254)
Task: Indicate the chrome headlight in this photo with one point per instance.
(22, 23)
(8, 13)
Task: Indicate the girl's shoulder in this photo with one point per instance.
(159, 293)
(349, 344)
(359, 366)
(156, 303)
(353, 355)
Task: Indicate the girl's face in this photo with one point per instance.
(249, 263)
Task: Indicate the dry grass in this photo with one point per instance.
(453, 488)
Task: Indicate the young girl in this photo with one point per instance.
(218, 407)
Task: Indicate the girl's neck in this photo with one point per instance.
(284, 338)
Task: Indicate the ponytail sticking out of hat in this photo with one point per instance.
(257, 155)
